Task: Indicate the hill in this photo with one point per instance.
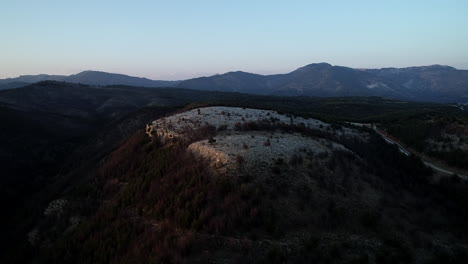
(75, 159)
(197, 190)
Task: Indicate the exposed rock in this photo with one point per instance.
(231, 147)
(55, 207)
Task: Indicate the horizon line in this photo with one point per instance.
(231, 71)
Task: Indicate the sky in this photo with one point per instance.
(182, 39)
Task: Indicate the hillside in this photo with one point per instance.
(58, 137)
(224, 184)
(85, 101)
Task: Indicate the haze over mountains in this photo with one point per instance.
(434, 83)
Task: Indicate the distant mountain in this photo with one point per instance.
(104, 78)
(13, 85)
(434, 83)
(326, 80)
(25, 80)
(33, 78)
(85, 77)
(320, 79)
(238, 81)
(429, 83)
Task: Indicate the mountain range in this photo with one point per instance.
(435, 83)
(85, 77)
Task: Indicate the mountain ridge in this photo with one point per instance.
(89, 77)
(435, 83)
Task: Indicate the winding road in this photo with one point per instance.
(407, 152)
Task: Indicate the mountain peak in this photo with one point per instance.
(434, 67)
(88, 72)
(314, 66)
(440, 67)
(240, 73)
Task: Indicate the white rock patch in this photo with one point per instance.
(229, 116)
(255, 150)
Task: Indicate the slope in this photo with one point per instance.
(152, 199)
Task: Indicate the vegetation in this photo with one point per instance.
(438, 134)
(165, 205)
(131, 199)
(160, 190)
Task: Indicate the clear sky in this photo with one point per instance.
(177, 39)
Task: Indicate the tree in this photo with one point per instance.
(211, 140)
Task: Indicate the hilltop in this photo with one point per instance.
(233, 147)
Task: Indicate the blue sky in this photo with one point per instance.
(181, 39)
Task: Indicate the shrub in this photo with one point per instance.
(276, 169)
(240, 159)
(222, 127)
(336, 126)
(279, 161)
(370, 219)
(296, 160)
(275, 255)
(211, 140)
